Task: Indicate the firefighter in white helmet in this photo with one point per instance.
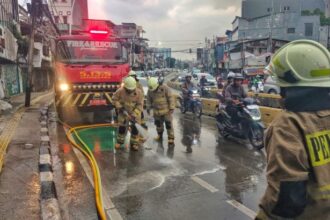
(133, 74)
(128, 101)
(298, 141)
(162, 102)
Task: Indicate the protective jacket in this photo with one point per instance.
(130, 102)
(298, 158)
(160, 100)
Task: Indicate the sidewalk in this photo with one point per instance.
(16, 102)
(19, 177)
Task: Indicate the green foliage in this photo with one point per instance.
(317, 11)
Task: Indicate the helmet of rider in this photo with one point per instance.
(203, 75)
(230, 75)
(130, 83)
(132, 73)
(153, 84)
(301, 63)
(239, 76)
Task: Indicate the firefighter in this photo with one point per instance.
(128, 101)
(298, 141)
(139, 86)
(160, 99)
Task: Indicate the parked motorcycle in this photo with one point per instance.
(249, 125)
(193, 103)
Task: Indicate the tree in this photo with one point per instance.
(170, 62)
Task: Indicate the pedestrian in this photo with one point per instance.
(128, 101)
(160, 99)
(298, 141)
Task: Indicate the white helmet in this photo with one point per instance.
(301, 63)
(231, 75)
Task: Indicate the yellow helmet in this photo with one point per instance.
(301, 63)
(132, 73)
(130, 83)
(153, 84)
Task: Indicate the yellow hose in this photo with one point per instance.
(87, 152)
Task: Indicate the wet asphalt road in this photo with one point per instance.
(200, 178)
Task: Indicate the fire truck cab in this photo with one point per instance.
(89, 68)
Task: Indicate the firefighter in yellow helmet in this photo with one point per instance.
(160, 99)
(298, 141)
(128, 101)
(133, 74)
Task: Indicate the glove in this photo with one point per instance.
(171, 111)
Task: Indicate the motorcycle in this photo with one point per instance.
(193, 103)
(249, 125)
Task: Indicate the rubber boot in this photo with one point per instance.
(159, 137)
(171, 142)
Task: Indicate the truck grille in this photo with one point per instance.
(96, 87)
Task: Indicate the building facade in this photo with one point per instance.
(257, 8)
(68, 14)
(286, 26)
(10, 75)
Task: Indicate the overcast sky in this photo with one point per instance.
(178, 24)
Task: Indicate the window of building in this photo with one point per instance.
(57, 19)
(65, 19)
(308, 29)
(60, 13)
(68, 12)
(269, 9)
(291, 30)
(286, 8)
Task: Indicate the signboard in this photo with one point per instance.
(8, 49)
(92, 44)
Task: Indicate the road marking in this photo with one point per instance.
(108, 205)
(242, 208)
(46, 176)
(204, 184)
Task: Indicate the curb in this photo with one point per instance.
(48, 196)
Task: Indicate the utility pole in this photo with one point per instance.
(35, 6)
(270, 43)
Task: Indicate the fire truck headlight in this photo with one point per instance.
(64, 87)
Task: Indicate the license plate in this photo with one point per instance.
(98, 102)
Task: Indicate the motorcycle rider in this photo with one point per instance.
(230, 78)
(128, 99)
(160, 99)
(298, 141)
(233, 95)
(187, 86)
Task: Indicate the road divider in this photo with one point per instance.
(210, 107)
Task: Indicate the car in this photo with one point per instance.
(211, 81)
(270, 86)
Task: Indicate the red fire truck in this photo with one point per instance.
(89, 67)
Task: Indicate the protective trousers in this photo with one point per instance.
(123, 125)
(159, 122)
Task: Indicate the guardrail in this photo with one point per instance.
(210, 105)
(267, 100)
